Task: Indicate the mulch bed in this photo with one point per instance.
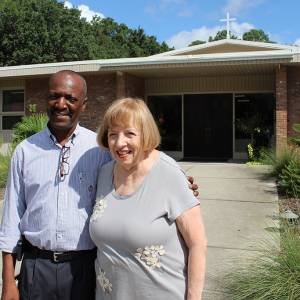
(286, 203)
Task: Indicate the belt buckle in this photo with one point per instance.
(56, 256)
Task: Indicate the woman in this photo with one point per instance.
(146, 223)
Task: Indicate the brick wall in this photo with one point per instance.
(293, 92)
(102, 90)
(36, 93)
(135, 86)
(129, 85)
(281, 107)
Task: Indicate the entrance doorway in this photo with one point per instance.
(254, 121)
(208, 127)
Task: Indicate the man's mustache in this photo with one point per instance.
(64, 112)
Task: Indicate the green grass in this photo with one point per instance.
(4, 167)
(271, 275)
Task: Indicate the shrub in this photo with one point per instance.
(281, 160)
(290, 179)
(27, 127)
(274, 274)
(266, 156)
(296, 140)
(24, 129)
(4, 166)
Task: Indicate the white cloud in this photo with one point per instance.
(297, 42)
(68, 4)
(184, 38)
(236, 6)
(86, 12)
(239, 29)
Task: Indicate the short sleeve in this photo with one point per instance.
(179, 196)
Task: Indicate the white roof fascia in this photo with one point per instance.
(221, 57)
(97, 65)
(224, 42)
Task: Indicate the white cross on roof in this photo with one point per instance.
(228, 20)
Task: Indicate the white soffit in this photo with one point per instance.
(232, 42)
(251, 57)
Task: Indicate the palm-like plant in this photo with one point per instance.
(28, 126)
(296, 140)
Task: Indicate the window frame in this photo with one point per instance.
(10, 113)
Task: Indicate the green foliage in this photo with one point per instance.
(196, 42)
(34, 31)
(250, 152)
(221, 35)
(290, 179)
(27, 127)
(257, 35)
(4, 166)
(266, 156)
(282, 159)
(117, 40)
(274, 274)
(296, 140)
(22, 130)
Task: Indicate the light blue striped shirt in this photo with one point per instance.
(52, 212)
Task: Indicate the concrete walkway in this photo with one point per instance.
(239, 205)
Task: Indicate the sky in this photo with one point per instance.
(179, 22)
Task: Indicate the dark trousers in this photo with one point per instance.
(43, 279)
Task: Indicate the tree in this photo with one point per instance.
(221, 35)
(34, 31)
(257, 35)
(197, 42)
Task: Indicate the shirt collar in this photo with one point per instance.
(71, 139)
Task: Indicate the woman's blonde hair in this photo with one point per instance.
(122, 112)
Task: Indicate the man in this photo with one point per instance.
(49, 197)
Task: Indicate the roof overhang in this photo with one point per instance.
(273, 57)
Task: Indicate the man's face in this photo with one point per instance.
(65, 102)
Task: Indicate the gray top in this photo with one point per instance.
(141, 254)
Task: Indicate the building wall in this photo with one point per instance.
(293, 94)
(102, 91)
(36, 93)
(135, 86)
(239, 83)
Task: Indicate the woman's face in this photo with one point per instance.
(124, 143)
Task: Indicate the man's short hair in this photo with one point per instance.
(75, 74)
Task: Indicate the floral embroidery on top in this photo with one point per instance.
(150, 255)
(98, 210)
(104, 282)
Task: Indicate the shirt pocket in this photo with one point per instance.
(87, 190)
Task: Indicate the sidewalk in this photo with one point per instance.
(238, 206)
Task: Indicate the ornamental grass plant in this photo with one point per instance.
(273, 274)
(4, 166)
(22, 130)
(28, 126)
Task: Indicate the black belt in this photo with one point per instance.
(58, 256)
